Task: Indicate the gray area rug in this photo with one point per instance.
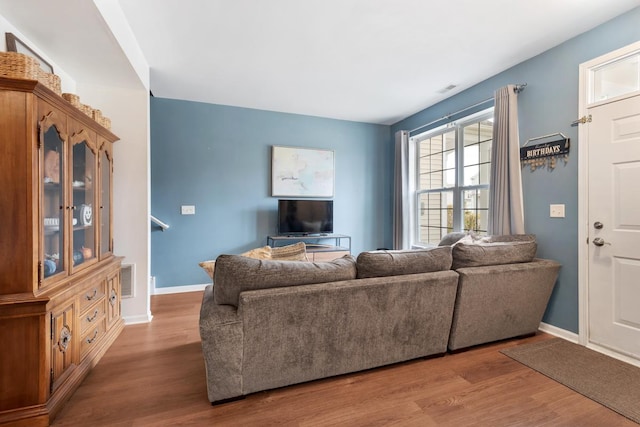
(608, 381)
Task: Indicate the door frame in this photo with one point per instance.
(583, 192)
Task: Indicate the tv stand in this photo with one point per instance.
(320, 247)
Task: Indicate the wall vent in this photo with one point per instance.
(447, 89)
(128, 274)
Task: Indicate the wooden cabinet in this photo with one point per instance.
(59, 277)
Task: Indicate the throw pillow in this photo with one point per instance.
(235, 274)
(452, 238)
(295, 252)
(399, 262)
(209, 267)
(258, 253)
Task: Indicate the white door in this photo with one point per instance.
(614, 226)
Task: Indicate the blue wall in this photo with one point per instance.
(218, 158)
(549, 104)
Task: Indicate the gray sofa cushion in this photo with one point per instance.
(501, 301)
(394, 263)
(509, 238)
(235, 274)
(492, 253)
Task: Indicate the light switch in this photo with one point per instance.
(556, 211)
(188, 210)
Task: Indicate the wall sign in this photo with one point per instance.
(545, 154)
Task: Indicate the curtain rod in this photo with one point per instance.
(517, 89)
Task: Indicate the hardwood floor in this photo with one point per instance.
(153, 375)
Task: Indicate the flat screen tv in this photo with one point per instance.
(305, 217)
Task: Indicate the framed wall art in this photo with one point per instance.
(14, 44)
(302, 172)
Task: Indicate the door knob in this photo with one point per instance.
(599, 241)
(598, 225)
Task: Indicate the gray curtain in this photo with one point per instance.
(506, 213)
(401, 193)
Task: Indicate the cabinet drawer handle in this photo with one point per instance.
(93, 338)
(113, 297)
(90, 297)
(92, 318)
(65, 339)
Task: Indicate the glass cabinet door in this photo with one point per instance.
(105, 201)
(53, 203)
(83, 192)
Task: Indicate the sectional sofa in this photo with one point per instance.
(267, 324)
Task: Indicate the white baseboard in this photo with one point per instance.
(574, 338)
(622, 357)
(134, 320)
(179, 289)
(558, 332)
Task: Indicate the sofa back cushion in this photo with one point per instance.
(235, 274)
(395, 263)
(508, 238)
(493, 252)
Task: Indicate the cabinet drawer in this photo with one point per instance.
(92, 338)
(91, 295)
(92, 316)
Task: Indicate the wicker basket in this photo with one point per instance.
(86, 109)
(50, 80)
(102, 120)
(105, 122)
(94, 113)
(72, 98)
(18, 65)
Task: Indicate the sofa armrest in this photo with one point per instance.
(221, 335)
(501, 301)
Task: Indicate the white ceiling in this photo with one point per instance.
(375, 61)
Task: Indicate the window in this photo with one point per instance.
(615, 78)
(452, 177)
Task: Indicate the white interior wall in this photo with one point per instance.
(129, 114)
(119, 27)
